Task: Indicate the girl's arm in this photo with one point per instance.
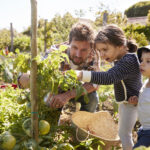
(125, 68)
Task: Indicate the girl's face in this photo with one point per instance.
(145, 64)
(110, 52)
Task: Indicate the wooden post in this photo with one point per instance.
(45, 44)
(11, 36)
(33, 74)
(105, 19)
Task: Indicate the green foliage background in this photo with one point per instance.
(57, 30)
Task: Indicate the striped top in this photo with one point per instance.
(125, 75)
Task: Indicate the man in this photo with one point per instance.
(82, 56)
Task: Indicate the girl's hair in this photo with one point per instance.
(114, 35)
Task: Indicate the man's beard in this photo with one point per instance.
(77, 63)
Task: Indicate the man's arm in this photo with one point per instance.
(60, 100)
(88, 86)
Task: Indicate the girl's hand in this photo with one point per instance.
(133, 100)
(79, 74)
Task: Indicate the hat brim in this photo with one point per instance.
(140, 50)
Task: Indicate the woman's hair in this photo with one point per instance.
(82, 32)
(114, 35)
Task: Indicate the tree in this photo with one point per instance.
(79, 13)
(60, 27)
(22, 43)
(57, 30)
(138, 32)
(148, 17)
(4, 38)
(139, 9)
(139, 29)
(140, 38)
(112, 17)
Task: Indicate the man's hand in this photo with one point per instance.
(24, 81)
(90, 87)
(58, 101)
(133, 100)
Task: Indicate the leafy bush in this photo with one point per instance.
(56, 31)
(139, 9)
(138, 32)
(11, 112)
(4, 38)
(143, 29)
(140, 38)
(112, 18)
(142, 148)
(22, 42)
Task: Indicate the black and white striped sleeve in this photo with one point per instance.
(123, 69)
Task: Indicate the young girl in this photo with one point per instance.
(125, 75)
(144, 99)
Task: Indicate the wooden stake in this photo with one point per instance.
(45, 36)
(33, 74)
(12, 36)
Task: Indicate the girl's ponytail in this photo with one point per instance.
(132, 46)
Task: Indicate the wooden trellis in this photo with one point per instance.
(33, 74)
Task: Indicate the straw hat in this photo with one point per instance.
(99, 125)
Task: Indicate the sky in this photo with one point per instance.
(18, 12)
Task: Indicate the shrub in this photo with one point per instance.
(139, 9)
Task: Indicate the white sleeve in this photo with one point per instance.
(86, 77)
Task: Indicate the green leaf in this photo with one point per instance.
(63, 47)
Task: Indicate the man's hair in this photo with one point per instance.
(81, 32)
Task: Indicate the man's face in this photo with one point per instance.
(145, 64)
(79, 51)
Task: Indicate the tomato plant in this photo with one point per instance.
(15, 103)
